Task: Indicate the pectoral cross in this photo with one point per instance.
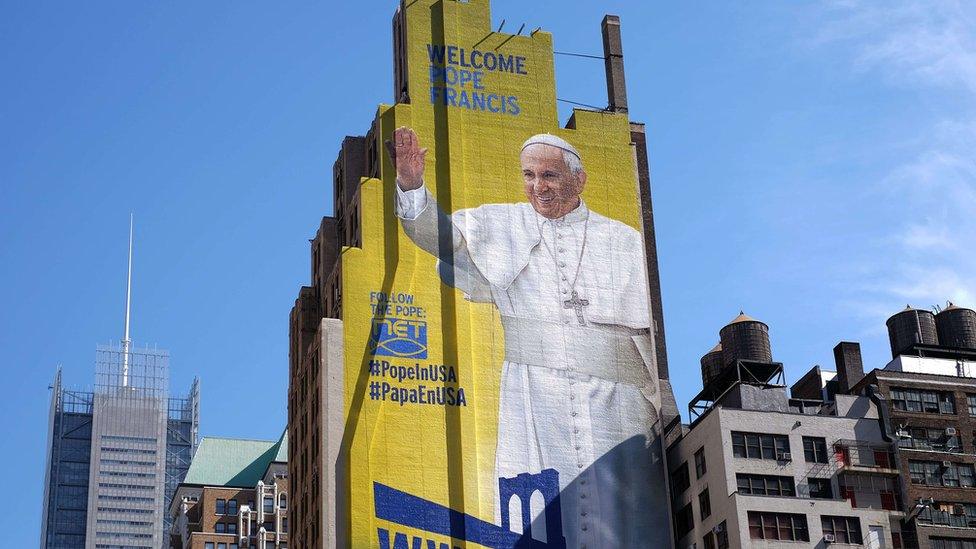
(577, 304)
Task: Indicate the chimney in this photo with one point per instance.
(850, 368)
(613, 58)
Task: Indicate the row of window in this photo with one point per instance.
(138, 440)
(929, 402)
(765, 485)
(952, 543)
(116, 535)
(128, 451)
(229, 506)
(219, 545)
(793, 527)
(759, 445)
(777, 447)
(114, 522)
(126, 486)
(928, 438)
(231, 527)
(126, 474)
(127, 499)
(129, 510)
(104, 461)
(935, 473)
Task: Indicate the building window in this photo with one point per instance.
(221, 507)
(269, 527)
(708, 542)
(283, 499)
(208, 545)
(759, 445)
(820, 488)
(704, 505)
(781, 526)
(221, 546)
(966, 475)
(815, 449)
(722, 536)
(952, 543)
(684, 522)
(917, 400)
(700, 467)
(680, 480)
(284, 525)
(765, 485)
(232, 507)
(926, 438)
(231, 527)
(844, 529)
(268, 504)
(934, 473)
(220, 528)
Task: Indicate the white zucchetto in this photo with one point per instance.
(549, 139)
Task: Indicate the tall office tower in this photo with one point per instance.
(117, 454)
(479, 356)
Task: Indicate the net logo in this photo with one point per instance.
(399, 337)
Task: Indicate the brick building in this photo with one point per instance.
(316, 404)
(235, 496)
(928, 391)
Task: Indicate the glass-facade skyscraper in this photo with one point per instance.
(117, 454)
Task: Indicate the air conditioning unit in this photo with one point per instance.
(950, 431)
(719, 529)
(903, 434)
(829, 538)
(947, 464)
(784, 456)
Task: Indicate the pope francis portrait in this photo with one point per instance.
(570, 288)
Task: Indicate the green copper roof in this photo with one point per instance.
(282, 447)
(234, 462)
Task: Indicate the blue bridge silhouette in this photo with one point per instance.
(407, 510)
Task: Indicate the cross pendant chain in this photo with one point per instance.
(577, 304)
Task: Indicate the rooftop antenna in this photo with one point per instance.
(126, 342)
(501, 26)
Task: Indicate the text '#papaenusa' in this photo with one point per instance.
(457, 78)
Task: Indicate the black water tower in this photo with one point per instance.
(711, 365)
(956, 327)
(745, 338)
(910, 327)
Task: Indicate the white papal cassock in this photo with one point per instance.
(578, 381)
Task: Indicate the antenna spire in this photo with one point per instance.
(126, 342)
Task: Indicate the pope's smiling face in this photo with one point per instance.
(551, 187)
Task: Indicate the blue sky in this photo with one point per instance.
(812, 164)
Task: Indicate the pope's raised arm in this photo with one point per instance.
(426, 224)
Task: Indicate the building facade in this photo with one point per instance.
(359, 242)
(928, 391)
(235, 496)
(757, 467)
(115, 455)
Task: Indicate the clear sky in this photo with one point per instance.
(812, 164)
